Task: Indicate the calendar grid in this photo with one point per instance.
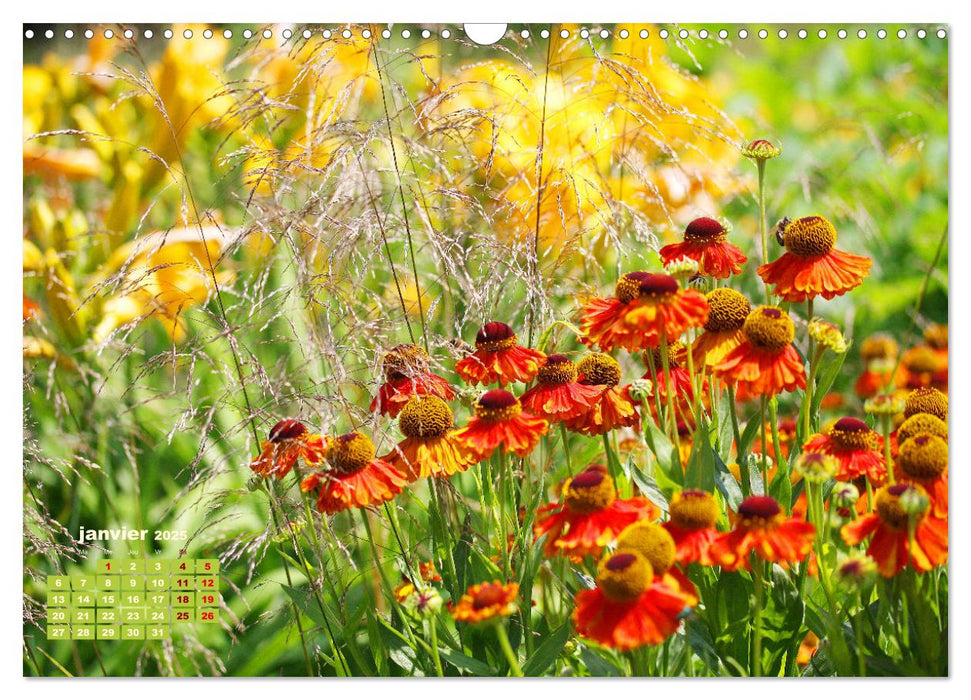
(132, 599)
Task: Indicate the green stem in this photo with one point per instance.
(885, 429)
(762, 224)
(668, 388)
(757, 618)
(566, 450)
(507, 650)
(739, 452)
(436, 658)
(765, 451)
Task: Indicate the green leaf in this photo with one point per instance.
(467, 663)
(646, 483)
(666, 454)
(596, 665)
(545, 655)
(825, 378)
(727, 485)
(748, 435)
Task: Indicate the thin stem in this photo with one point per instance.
(762, 224)
(885, 429)
(566, 451)
(757, 618)
(739, 452)
(668, 388)
(765, 451)
(436, 658)
(507, 650)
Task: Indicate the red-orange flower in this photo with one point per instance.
(761, 527)
(498, 357)
(614, 408)
(558, 396)
(499, 420)
(856, 448)
(922, 460)
(706, 241)
(922, 366)
(590, 515)
(406, 373)
(662, 309)
(645, 304)
(486, 601)
(812, 266)
(692, 526)
(653, 542)
(723, 330)
(31, 308)
(289, 441)
(765, 363)
(897, 511)
(356, 478)
(430, 447)
(629, 608)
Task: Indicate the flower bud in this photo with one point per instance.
(884, 405)
(763, 150)
(816, 467)
(640, 390)
(856, 572)
(845, 495)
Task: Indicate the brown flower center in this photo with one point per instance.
(624, 576)
(921, 359)
(426, 416)
(497, 405)
(926, 400)
(694, 510)
(658, 287)
(759, 512)
(879, 346)
(288, 429)
(729, 309)
(489, 594)
(923, 457)
(349, 453)
(652, 542)
(589, 491)
(851, 434)
(599, 368)
(705, 231)
(405, 360)
(628, 287)
(921, 423)
(809, 236)
(769, 328)
(559, 369)
(495, 336)
(891, 511)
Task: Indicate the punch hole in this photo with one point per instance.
(485, 34)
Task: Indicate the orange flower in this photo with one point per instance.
(763, 528)
(662, 309)
(486, 601)
(856, 448)
(406, 373)
(653, 542)
(890, 523)
(499, 421)
(289, 441)
(355, 478)
(922, 460)
(430, 447)
(31, 309)
(614, 408)
(812, 266)
(692, 526)
(705, 240)
(807, 649)
(590, 515)
(765, 363)
(558, 396)
(644, 305)
(723, 330)
(499, 358)
(629, 608)
(921, 366)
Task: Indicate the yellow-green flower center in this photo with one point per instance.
(921, 423)
(624, 576)
(599, 368)
(891, 511)
(349, 453)
(769, 328)
(426, 416)
(926, 400)
(652, 542)
(559, 369)
(729, 309)
(923, 457)
(589, 491)
(693, 510)
(809, 236)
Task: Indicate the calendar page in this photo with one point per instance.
(519, 350)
